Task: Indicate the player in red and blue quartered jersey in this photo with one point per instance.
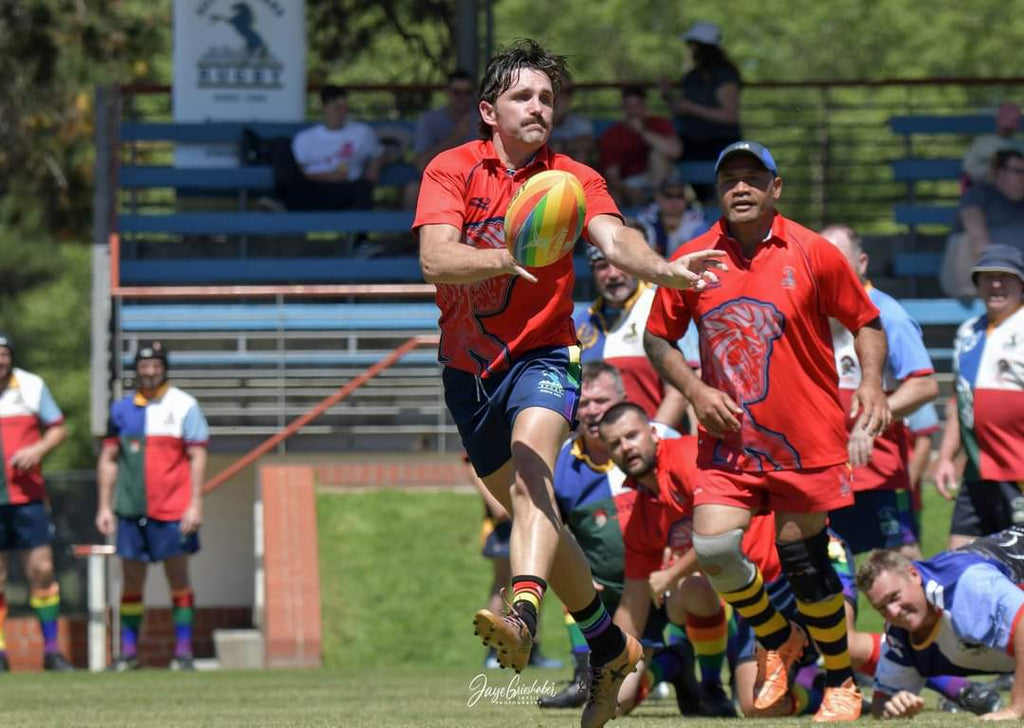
(509, 349)
(987, 417)
(150, 475)
(773, 429)
(881, 516)
(31, 426)
(957, 613)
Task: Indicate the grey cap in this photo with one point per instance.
(704, 31)
(998, 258)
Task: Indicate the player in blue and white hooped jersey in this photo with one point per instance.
(957, 613)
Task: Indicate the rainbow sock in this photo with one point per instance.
(132, 611)
(577, 642)
(527, 594)
(46, 604)
(183, 612)
(708, 637)
(605, 639)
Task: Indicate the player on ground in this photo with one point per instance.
(881, 516)
(509, 349)
(773, 433)
(154, 456)
(957, 613)
(986, 419)
(31, 426)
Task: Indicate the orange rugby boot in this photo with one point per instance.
(840, 704)
(605, 681)
(508, 635)
(772, 683)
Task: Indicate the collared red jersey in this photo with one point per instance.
(988, 363)
(153, 436)
(765, 341)
(487, 324)
(665, 520)
(596, 506)
(980, 608)
(26, 408)
(907, 357)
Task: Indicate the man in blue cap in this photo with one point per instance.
(987, 417)
(773, 434)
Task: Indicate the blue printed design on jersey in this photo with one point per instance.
(737, 339)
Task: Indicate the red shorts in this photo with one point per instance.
(779, 491)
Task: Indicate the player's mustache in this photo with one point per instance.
(536, 120)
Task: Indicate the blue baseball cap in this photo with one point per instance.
(757, 151)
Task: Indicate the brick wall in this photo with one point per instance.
(292, 630)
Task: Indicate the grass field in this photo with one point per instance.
(401, 576)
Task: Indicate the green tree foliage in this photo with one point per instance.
(49, 320)
(52, 52)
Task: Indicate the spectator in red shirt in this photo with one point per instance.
(637, 152)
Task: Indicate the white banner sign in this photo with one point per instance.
(237, 61)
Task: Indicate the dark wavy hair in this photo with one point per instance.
(503, 70)
(709, 58)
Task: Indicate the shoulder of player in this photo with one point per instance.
(457, 160)
(27, 380)
(890, 309)
(178, 397)
(968, 327)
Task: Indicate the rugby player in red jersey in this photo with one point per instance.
(509, 349)
(772, 427)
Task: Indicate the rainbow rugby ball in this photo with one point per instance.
(545, 218)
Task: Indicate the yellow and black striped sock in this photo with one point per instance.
(826, 624)
(752, 602)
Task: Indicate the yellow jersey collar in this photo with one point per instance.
(578, 453)
(140, 398)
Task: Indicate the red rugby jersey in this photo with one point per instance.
(486, 325)
(667, 518)
(765, 341)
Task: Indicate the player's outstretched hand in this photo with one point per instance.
(870, 407)
(945, 478)
(696, 270)
(903, 705)
(716, 411)
(511, 267)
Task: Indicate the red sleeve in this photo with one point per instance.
(842, 295)
(660, 125)
(670, 314)
(643, 553)
(441, 198)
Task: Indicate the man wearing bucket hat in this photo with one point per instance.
(31, 426)
(986, 419)
(150, 476)
(773, 434)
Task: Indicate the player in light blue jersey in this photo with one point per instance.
(956, 613)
